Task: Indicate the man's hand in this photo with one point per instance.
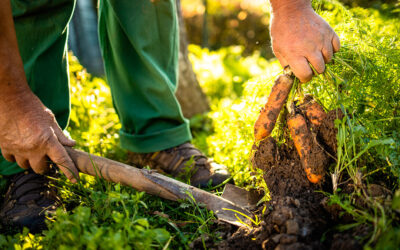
(300, 36)
(29, 133)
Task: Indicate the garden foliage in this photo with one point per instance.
(363, 81)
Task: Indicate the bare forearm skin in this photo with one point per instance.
(12, 75)
(278, 5)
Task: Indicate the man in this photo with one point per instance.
(139, 42)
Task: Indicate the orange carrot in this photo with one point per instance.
(313, 178)
(313, 111)
(269, 114)
(303, 141)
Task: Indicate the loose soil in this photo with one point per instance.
(298, 216)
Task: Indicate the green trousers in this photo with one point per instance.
(139, 43)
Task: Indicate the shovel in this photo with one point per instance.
(154, 183)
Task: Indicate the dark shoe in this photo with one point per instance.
(185, 162)
(28, 201)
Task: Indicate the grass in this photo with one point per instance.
(363, 82)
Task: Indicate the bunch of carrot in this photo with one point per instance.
(297, 123)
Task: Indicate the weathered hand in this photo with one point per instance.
(30, 135)
(300, 36)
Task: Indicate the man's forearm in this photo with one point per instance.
(12, 75)
(278, 5)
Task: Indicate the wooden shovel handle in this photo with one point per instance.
(119, 173)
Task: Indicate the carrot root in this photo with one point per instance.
(313, 111)
(269, 114)
(313, 178)
(303, 143)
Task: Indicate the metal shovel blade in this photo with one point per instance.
(241, 197)
(226, 210)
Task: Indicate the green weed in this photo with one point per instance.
(362, 82)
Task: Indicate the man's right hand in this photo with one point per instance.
(300, 37)
(30, 135)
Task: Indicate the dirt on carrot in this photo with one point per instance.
(314, 112)
(312, 154)
(269, 114)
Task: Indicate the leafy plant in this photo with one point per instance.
(362, 82)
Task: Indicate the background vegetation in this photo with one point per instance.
(363, 81)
